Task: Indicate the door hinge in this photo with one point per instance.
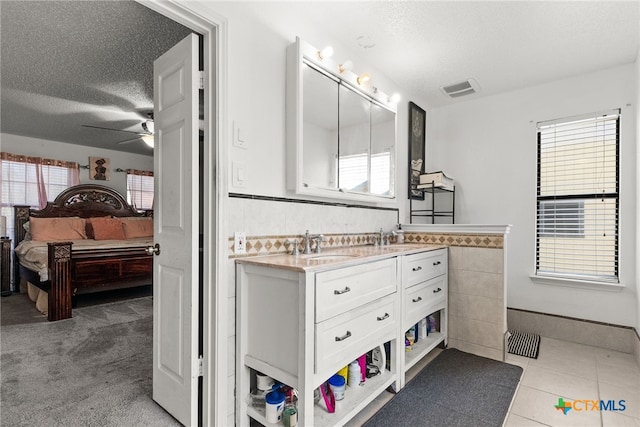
(201, 78)
(200, 366)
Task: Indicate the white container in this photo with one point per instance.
(264, 382)
(355, 374)
(337, 386)
(274, 406)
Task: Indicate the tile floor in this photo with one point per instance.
(575, 372)
(563, 369)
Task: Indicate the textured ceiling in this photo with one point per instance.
(503, 45)
(71, 63)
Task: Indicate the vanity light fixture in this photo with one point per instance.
(327, 52)
(345, 66)
(363, 78)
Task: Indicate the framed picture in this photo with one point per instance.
(417, 128)
(99, 168)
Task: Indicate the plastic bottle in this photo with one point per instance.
(399, 234)
(274, 405)
(431, 323)
(337, 385)
(355, 374)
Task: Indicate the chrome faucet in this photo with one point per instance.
(307, 242)
(294, 250)
(383, 238)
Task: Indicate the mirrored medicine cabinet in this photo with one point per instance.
(341, 135)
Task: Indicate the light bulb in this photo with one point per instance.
(327, 52)
(345, 66)
(363, 78)
(148, 139)
(394, 98)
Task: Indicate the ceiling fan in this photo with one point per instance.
(146, 134)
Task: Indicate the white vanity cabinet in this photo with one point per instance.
(424, 291)
(301, 324)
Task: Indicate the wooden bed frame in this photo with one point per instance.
(73, 272)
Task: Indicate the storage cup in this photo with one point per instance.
(274, 405)
(338, 386)
(264, 382)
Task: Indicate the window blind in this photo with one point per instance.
(353, 172)
(140, 189)
(577, 197)
(19, 183)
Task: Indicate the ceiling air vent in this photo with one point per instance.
(466, 87)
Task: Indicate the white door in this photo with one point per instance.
(175, 269)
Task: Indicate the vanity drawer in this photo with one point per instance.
(420, 300)
(344, 289)
(423, 266)
(344, 338)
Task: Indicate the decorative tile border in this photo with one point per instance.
(270, 245)
(495, 241)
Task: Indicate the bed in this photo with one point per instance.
(89, 239)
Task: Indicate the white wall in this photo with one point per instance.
(77, 153)
(489, 146)
(259, 34)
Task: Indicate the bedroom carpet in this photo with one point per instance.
(455, 389)
(92, 370)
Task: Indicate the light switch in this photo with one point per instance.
(239, 135)
(239, 175)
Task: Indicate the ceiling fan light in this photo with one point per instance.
(148, 139)
(148, 126)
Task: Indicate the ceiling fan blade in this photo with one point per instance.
(119, 130)
(127, 141)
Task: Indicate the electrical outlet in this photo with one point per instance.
(239, 242)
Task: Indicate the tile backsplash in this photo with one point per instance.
(275, 244)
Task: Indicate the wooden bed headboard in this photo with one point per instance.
(84, 201)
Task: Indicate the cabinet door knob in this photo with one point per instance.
(417, 299)
(437, 263)
(344, 337)
(344, 291)
(435, 291)
(386, 316)
(418, 268)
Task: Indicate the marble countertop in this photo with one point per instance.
(332, 258)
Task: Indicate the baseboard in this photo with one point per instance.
(581, 331)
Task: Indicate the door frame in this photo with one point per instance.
(213, 29)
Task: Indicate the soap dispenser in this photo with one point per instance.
(399, 234)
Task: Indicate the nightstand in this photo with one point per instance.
(5, 266)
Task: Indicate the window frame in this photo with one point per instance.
(567, 277)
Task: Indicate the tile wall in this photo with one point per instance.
(477, 300)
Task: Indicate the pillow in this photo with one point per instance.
(137, 227)
(107, 229)
(57, 229)
(27, 235)
(89, 228)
